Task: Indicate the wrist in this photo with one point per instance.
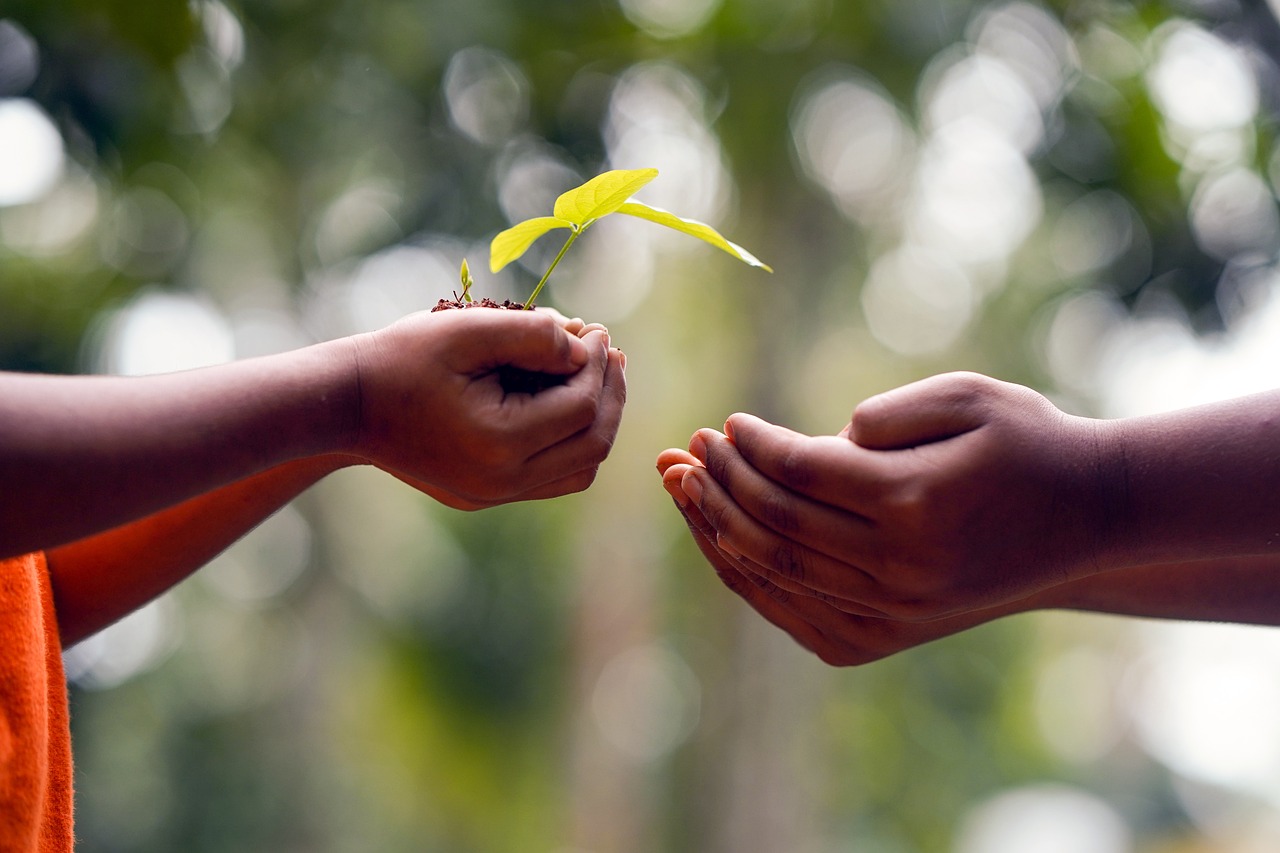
(1111, 517)
(1192, 484)
(344, 403)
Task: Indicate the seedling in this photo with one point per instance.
(467, 282)
(580, 208)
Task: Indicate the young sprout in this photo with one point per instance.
(580, 208)
(465, 275)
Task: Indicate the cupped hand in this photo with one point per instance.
(434, 411)
(951, 496)
(840, 633)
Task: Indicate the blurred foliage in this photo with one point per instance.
(435, 681)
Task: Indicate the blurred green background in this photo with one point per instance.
(1078, 196)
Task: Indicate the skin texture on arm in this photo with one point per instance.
(420, 398)
(1239, 589)
(427, 403)
(102, 578)
(87, 453)
(959, 499)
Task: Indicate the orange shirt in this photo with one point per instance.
(35, 734)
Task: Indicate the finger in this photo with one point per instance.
(541, 421)
(932, 409)
(762, 577)
(781, 558)
(587, 449)
(529, 340)
(799, 592)
(827, 469)
(574, 325)
(824, 527)
(840, 638)
(757, 596)
(557, 316)
(674, 456)
(762, 571)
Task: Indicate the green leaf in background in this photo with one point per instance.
(601, 195)
(693, 228)
(516, 240)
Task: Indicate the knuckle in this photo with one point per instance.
(771, 589)
(778, 511)
(910, 506)
(715, 513)
(598, 448)
(967, 387)
(586, 406)
(794, 467)
(829, 599)
(788, 561)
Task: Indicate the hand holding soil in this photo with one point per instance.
(435, 411)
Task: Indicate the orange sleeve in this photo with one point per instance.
(35, 735)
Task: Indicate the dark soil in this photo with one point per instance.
(514, 380)
(486, 302)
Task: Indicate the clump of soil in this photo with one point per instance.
(485, 302)
(513, 379)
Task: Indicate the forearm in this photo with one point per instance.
(79, 455)
(1194, 484)
(104, 577)
(1230, 589)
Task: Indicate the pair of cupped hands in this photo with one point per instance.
(941, 505)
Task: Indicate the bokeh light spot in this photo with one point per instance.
(136, 644)
(487, 95)
(31, 152)
(1199, 82)
(917, 301)
(853, 142)
(647, 701)
(669, 18)
(19, 58)
(1046, 819)
(164, 332)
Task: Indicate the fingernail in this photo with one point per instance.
(681, 499)
(723, 545)
(698, 448)
(690, 485)
(622, 357)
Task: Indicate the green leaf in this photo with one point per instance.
(464, 274)
(601, 195)
(517, 239)
(693, 228)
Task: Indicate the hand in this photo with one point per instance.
(435, 414)
(837, 637)
(951, 496)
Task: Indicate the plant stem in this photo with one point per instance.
(573, 235)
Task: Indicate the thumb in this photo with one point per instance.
(930, 410)
(524, 339)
